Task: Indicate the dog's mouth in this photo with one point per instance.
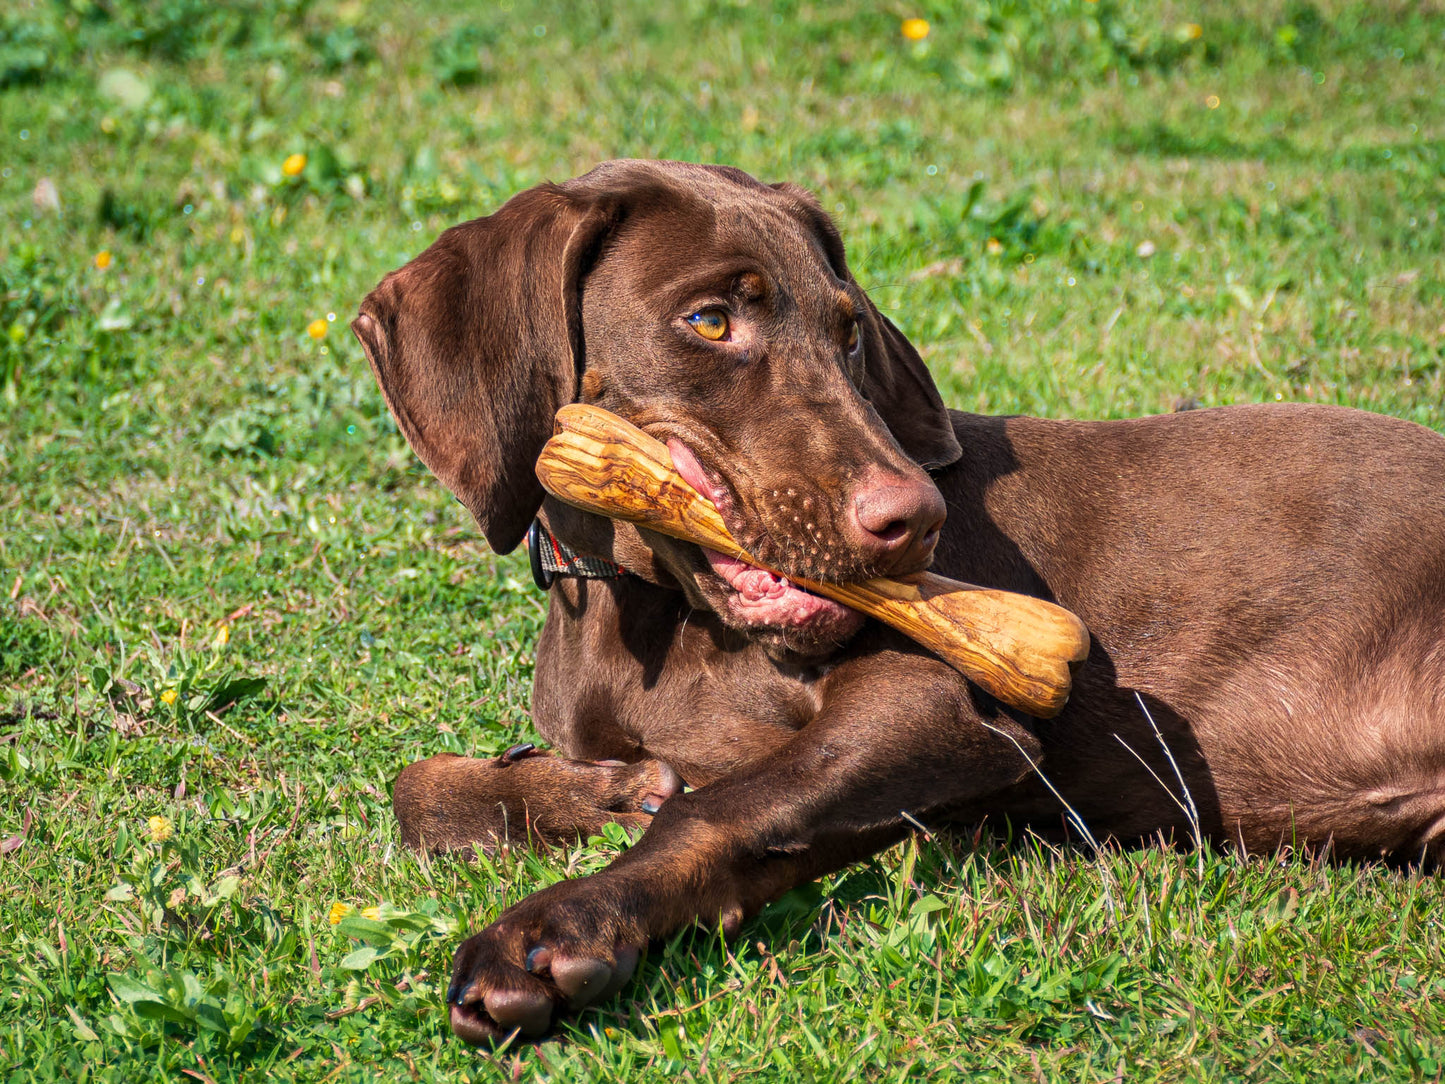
(758, 597)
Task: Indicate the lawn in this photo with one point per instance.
(231, 598)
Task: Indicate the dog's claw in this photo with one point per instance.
(539, 959)
(517, 752)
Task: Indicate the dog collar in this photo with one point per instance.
(551, 558)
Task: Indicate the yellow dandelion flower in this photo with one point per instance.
(915, 29)
(1191, 32)
(317, 328)
(373, 913)
(293, 165)
(994, 246)
(161, 828)
(339, 911)
(168, 697)
(1212, 101)
(102, 259)
(223, 637)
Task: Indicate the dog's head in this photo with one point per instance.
(716, 313)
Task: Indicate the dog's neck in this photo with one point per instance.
(550, 557)
(603, 542)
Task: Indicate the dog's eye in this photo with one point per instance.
(853, 337)
(710, 323)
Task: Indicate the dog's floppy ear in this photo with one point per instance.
(899, 386)
(477, 342)
(895, 380)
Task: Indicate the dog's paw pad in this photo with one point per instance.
(623, 969)
(527, 1011)
(582, 981)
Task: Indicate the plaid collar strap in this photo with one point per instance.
(550, 559)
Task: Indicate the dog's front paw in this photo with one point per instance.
(557, 951)
(523, 797)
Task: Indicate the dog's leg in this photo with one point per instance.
(448, 802)
(844, 787)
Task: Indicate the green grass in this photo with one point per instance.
(1074, 208)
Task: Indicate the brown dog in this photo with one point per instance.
(1264, 585)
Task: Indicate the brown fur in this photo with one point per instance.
(1266, 585)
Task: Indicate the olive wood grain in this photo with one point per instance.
(1020, 649)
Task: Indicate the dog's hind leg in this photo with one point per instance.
(1362, 774)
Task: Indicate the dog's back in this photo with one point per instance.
(1266, 583)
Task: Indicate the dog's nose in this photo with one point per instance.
(896, 521)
